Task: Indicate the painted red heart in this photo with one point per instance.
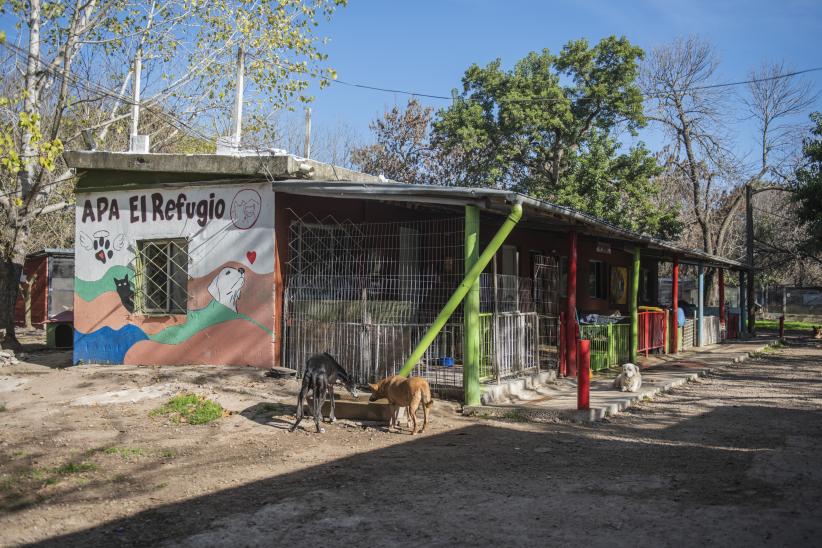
(251, 256)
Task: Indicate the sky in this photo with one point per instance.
(425, 45)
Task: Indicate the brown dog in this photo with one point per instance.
(402, 392)
(817, 332)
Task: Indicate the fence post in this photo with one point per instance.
(781, 327)
(471, 310)
(633, 306)
(584, 376)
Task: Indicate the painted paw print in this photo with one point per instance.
(102, 248)
(100, 244)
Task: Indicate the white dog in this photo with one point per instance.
(226, 286)
(629, 380)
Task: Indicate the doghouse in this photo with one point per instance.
(46, 296)
(263, 260)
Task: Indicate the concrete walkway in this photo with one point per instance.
(558, 399)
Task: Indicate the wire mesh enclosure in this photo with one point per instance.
(609, 344)
(367, 292)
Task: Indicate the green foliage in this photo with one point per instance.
(808, 191)
(190, 409)
(774, 324)
(545, 128)
(124, 452)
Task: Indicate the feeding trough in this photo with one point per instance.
(360, 409)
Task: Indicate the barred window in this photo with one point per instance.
(161, 276)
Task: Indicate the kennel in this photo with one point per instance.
(367, 292)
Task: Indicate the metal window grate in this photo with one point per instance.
(161, 279)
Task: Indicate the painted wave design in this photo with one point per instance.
(197, 320)
(106, 345)
(90, 290)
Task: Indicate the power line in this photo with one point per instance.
(557, 100)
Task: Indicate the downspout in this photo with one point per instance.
(462, 290)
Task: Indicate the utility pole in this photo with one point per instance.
(238, 102)
(135, 105)
(749, 238)
(307, 147)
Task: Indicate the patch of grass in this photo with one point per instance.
(75, 468)
(166, 454)
(190, 409)
(774, 324)
(120, 478)
(3, 407)
(124, 452)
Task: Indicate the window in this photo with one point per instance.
(644, 285)
(596, 280)
(161, 276)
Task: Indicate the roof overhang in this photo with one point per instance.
(499, 202)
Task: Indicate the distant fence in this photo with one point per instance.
(795, 301)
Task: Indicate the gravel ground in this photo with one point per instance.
(734, 459)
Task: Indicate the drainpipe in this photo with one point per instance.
(634, 306)
(459, 294)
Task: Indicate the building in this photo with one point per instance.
(46, 297)
(263, 260)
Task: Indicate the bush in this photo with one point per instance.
(190, 409)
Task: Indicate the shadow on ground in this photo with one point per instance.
(497, 484)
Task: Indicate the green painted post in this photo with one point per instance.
(634, 309)
(471, 311)
(462, 290)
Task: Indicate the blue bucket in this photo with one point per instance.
(446, 361)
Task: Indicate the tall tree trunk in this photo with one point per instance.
(20, 216)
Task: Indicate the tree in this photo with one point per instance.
(808, 190)
(79, 57)
(701, 160)
(402, 149)
(525, 129)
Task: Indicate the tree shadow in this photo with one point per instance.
(492, 483)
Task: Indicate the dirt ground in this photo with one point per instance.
(734, 459)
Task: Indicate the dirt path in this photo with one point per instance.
(733, 459)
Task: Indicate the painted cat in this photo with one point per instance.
(125, 292)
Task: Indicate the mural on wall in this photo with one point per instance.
(619, 285)
(228, 285)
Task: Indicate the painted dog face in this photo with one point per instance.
(226, 286)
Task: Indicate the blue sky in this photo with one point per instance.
(425, 45)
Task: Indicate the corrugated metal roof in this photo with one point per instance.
(499, 201)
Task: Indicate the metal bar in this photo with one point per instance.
(633, 306)
(571, 310)
(462, 289)
(471, 310)
(675, 306)
(700, 308)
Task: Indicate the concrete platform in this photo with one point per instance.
(557, 400)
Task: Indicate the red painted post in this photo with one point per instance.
(722, 296)
(782, 326)
(645, 318)
(675, 299)
(584, 375)
(571, 310)
(664, 330)
(563, 365)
